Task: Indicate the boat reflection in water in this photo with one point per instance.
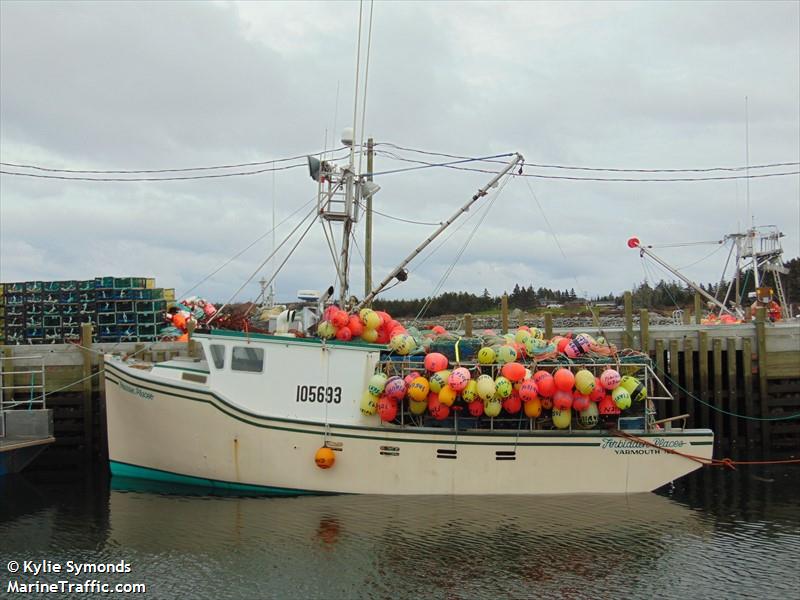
(360, 546)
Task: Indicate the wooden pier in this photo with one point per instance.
(749, 369)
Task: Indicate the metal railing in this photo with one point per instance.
(654, 386)
(36, 389)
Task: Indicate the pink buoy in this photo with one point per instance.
(512, 404)
(476, 408)
(564, 379)
(610, 379)
(528, 390)
(580, 402)
(395, 388)
(387, 408)
(562, 400)
(435, 362)
(513, 371)
(459, 379)
(545, 383)
(355, 325)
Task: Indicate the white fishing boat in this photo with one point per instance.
(253, 412)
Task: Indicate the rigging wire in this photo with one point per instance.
(245, 249)
(685, 244)
(266, 260)
(552, 230)
(602, 169)
(366, 80)
(357, 78)
(280, 266)
(709, 255)
(458, 256)
(377, 212)
(444, 241)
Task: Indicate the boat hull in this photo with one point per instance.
(168, 432)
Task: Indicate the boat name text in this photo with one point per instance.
(635, 447)
(319, 393)
(132, 389)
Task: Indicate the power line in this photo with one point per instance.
(176, 178)
(609, 169)
(454, 165)
(142, 171)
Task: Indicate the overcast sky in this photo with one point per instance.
(142, 86)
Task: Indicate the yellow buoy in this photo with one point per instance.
(439, 380)
(447, 395)
(562, 418)
(584, 381)
(369, 404)
(485, 387)
(324, 458)
(418, 389)
(471, 391)
(492, 406)
(486, 356)
(417, 407)
(533, 408)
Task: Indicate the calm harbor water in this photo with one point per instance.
(714, 534)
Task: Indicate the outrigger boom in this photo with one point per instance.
(399, 272)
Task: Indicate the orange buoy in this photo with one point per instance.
(324, 458)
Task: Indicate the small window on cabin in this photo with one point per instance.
(218, 355)
(247, 358)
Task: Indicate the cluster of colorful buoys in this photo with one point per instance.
(440, 389)
(529, 342)
(377, 327)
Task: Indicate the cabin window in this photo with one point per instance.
(247, 358)
(218, 355)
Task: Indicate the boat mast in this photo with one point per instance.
(399, 271)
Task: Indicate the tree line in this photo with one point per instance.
(665, 295)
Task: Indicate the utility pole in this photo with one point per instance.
(368, 226)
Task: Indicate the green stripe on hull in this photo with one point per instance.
(127, 470)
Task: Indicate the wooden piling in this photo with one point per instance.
(8, 375)
(675, 376)
(716, 355)
(644, 331)
(548, 325)
(627, 337)
(661, 371)
(698, 308)
(747, 376)
(689, 405)
(504, 314)
(86, 345)
(702, 367)
(733, 397)
(468, 325)
(761, 341)
(101, 382)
